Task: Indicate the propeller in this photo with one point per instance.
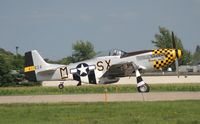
(173, 40)
(176, 50)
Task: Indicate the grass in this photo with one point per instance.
(94, 89)
(167, 112)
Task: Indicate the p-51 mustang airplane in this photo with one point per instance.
(104, 69)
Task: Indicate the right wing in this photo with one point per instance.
(120, 70)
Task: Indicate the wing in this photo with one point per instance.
(120, 70)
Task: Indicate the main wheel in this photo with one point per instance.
(60, 86)
(144, 88)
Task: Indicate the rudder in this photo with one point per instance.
(29, 68)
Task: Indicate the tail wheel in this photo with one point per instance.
(60, 86)
(144, 88)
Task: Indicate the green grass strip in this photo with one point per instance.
(95, 89)
(166, 112)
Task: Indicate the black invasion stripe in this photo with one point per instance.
(76, 77)
(139, 79)
(91, 77)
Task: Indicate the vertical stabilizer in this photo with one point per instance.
(37, 59)
(33, 61)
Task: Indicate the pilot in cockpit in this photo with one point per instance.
(119, 53)
(114, 52)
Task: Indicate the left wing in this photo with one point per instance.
(120, 70)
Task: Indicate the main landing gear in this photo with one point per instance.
(61, 85)
(79, 83)
(141, 85)
(144, 88)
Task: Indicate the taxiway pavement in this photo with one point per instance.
(117, 97)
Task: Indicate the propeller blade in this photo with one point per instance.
(173, 40)
(174, 47)
(177, 68)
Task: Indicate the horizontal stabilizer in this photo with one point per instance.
(50, 68)
(35, 65)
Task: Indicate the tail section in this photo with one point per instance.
(33, 62)
(37, 59)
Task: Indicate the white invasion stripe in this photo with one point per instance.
(72, 71)
(84, 79)
(140, 84)
(92, 67)
(137, 73)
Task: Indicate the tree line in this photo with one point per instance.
(12, 66)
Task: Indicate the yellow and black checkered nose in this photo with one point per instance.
(170, 56)
(179, 53)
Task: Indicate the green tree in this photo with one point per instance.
(164, 40)
(11, 68)
(5, 76)
(8, 56)
(196, 56)
(82, 51)
(18, 65)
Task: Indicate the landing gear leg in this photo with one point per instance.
(141, 85)
(79, 83)
(61, 85)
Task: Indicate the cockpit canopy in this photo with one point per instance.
(117, 52)
(114, 52)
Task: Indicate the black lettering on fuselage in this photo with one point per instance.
(108, 64)
(100, 65)
(63, 73)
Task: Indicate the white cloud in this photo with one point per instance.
(126, 16)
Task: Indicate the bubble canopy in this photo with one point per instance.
(113, 52)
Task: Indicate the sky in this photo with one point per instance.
(52, 26)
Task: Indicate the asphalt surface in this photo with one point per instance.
(152, 96)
